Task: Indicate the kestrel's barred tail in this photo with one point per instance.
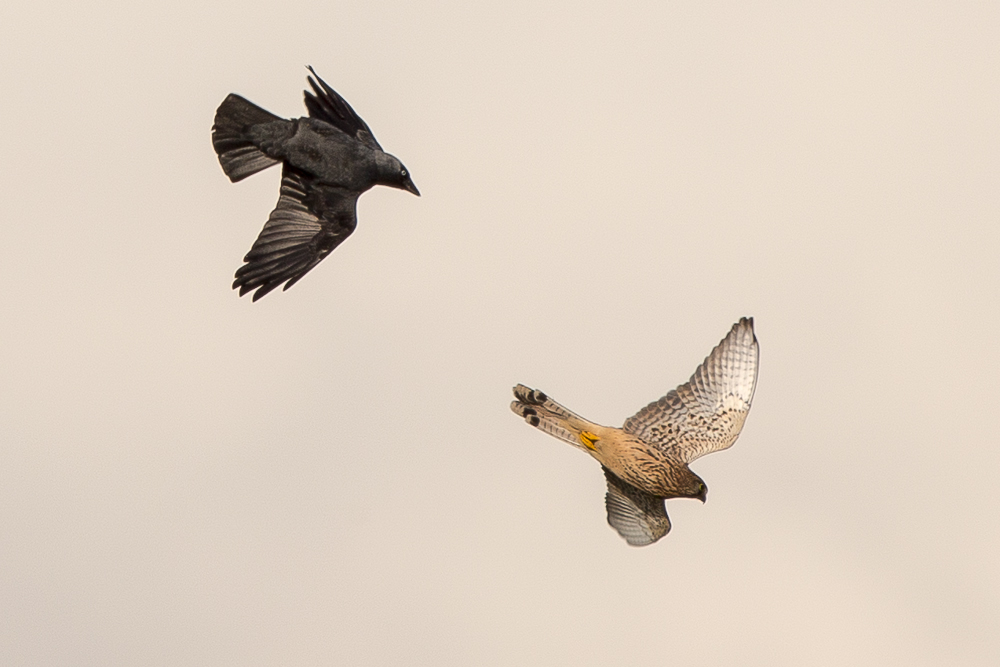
(546, 415)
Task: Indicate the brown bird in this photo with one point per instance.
(646, 461)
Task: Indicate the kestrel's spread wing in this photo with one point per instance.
(310, 220)
(705, 414)
(639, 517)
(328, 106)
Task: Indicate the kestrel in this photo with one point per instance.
(646, 461)
(328, 160)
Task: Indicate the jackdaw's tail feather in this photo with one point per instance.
(238, 155)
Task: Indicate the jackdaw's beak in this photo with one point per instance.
(410, 187)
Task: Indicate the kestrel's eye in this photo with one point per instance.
(402, 172)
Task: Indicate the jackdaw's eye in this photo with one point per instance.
(402, 172)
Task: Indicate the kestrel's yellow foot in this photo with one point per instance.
(588, 439)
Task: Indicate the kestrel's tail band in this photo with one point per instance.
(546, 415)
(540, 399)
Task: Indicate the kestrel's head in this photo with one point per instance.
(696, 488)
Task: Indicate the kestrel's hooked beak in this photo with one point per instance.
(702, 494)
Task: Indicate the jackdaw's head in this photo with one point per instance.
(395, 175)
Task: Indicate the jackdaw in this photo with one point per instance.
(328, 159)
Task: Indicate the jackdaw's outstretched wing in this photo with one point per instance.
(310, 220)
(328, 106)
(705, 414)
(637, 516)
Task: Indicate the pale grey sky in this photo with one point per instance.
(332, 475)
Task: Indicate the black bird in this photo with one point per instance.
(328, 159)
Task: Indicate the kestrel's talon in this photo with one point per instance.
(588, 439)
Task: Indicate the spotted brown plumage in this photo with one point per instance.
(328, 160)
(646, 461)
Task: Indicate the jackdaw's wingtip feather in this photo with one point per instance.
(326, 104)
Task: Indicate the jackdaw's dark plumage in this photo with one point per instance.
(328, 159)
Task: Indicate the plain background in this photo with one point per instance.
(332, 475)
